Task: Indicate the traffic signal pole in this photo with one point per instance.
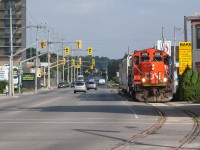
(49, 55)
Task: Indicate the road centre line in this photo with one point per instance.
(81, 122)
(36, 105)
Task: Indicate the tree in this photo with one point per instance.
(3, 85)
(113, 68)
(189, 86)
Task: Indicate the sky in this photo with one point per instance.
(111, 27)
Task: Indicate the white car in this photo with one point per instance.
(91, 85)
(79, 86)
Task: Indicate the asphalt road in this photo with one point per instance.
(97, 120)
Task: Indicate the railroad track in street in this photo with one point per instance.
(188, 138)
(157, 125)
(194, 132)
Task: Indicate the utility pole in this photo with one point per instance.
(175, 76)
(36, 59)
(57, 74)
(49, 56)
(36, 62)
(68, 69)
(63, 63)
(185, 28)
(11, 86)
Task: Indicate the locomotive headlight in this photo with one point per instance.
(143, 80)
(165, 80)
(153, 66)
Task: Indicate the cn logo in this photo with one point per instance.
(166, 48)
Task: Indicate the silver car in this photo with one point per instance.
(91, 85)
(79, 87)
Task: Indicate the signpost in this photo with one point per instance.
(185, 56)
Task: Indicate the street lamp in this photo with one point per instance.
(11, 83)
(11, 91)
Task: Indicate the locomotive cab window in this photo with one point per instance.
(145, 59)
(157, 58)
(166, 60)
(136, 60)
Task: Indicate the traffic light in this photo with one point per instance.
(78, 44)
(93, 62)
(89, 50)
(72, 62)
(67, 50)
(79, 61)
(43, 44)
(64, 61)
(78, 66)
(91, 67)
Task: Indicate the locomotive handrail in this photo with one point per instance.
(137, 68)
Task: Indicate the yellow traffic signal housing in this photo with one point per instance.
(89, 50)
(91, 67)
(78, 44)
(72, 62)
(67, 50)
(43, 44)
(64, 61)
(79, 61)
(93, 62)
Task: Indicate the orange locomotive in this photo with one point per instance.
(151, 80)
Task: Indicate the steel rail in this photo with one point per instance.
(193, 133)
(157, 125)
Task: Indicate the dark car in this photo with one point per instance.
(63, 84)
(72, 84)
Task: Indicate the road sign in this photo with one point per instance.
(185, 56)
(165, 46)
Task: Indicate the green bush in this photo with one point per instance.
(189, 86)
(3, 84)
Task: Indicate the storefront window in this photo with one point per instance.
(198, 37)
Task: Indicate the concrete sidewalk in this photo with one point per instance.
(4, 96)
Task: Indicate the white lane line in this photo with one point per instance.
(87, 122)
(51, 122)
(134, 113)
(36, 105)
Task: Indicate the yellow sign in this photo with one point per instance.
(185, 56)
(185, 45)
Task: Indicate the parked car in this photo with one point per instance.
(63, 84)
(79, 86)
(91, 85)
(72, 84)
